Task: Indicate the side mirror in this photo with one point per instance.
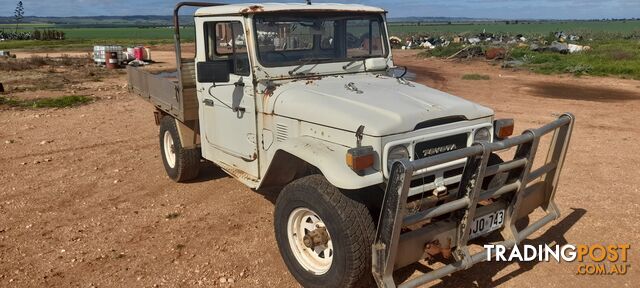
(398, 72)
(213, 71)
(373, 64)
(402, 73)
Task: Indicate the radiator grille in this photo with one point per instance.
(441, 145)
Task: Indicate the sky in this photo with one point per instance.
(506, 9)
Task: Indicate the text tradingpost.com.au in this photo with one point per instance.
(595, 259)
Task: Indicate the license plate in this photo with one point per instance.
(487, 223)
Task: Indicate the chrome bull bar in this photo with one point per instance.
(390, 244)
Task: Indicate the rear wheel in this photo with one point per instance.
(324, 236)
(181, 164)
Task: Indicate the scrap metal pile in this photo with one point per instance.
(560, 42)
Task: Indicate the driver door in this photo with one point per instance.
(228, 116)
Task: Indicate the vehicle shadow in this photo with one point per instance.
(208, 172)
(482, 273)
(270, 193)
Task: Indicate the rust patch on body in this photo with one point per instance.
(253, 8)
(435, 248)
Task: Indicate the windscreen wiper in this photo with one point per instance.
(306, 61)
(346, 66)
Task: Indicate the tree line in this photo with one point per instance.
(47, 34)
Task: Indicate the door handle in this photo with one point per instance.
(208, 102)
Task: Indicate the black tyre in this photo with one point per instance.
(324, 237)
(181, 164)
(498, 180)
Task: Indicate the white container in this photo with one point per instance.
(99, 51)
(147, 54)
(126, 56)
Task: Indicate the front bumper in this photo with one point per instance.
(447, 226)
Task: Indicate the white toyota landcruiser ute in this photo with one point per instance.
(377, 172)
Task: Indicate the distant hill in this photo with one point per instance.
(150, 20)
(458, 20)
(438, 19)
(160, 20)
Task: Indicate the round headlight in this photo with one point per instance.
(396, 153)
(482, 135)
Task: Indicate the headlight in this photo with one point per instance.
(482, 135)
(396, 153)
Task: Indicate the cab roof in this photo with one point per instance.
(252, 8)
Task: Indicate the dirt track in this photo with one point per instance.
(92, 205)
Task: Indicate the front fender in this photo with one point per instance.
(329, 158)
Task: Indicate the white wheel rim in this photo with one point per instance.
(318, 260)
(169, 150)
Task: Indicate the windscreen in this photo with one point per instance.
(318, 38)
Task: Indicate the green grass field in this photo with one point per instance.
(80, 38)
(56, 102)
(611, 54)
(127, 33)
(610, 58)
(619, 58)
(529, 28)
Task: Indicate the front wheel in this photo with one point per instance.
(324, 236)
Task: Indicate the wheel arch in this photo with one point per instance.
(302, 156)
(189, 132)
